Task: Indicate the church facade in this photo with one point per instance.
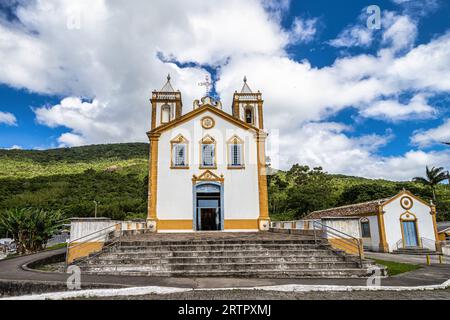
(207, 168)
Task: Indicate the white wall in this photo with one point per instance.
(392, 214)
(349, 226)
(374, 241)
(175, 196)
(90, 229)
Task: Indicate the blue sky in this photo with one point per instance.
(356, 101)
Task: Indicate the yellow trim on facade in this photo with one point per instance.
(262, 176)
(153, 176)
(240, 224)
(232, 141)
(436, 233)
(207, 140)
(81, 250)
(200, 110)
(347, 246)
(175, 225)
(408, 216)
(229, 224)
(179, 139)
(382, 230)
(406, 192)
(207, 176)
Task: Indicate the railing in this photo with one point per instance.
(350, 240)
(327, 232)
(109, 238)
(427, 243)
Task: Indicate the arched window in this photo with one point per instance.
(208, 152)
(248, 113)
(165, 113)
(365, 228)
(179, 159)
(235, 153)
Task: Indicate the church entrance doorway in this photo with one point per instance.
(208, 207)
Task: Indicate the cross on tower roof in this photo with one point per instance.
(168, 86)
(245, 87)
(207, 84)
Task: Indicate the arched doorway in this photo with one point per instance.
(208, 206)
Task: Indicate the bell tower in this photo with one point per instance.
(166, 105)
(248, 106)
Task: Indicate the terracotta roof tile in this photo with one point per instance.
(349, 210)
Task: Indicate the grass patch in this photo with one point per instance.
(395, 268)
(56, 246)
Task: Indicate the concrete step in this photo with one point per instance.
(218, 253)
(415, 251)
(212, 260)
(264, 273)
(221, 266)
(214, 247)
(306, 240)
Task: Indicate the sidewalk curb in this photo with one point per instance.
(138, 291)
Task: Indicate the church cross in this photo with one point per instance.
(207, 84)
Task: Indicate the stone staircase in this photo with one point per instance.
(261, 255)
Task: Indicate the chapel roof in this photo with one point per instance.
(363, 208)
(348, 210)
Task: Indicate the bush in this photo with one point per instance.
(30, 228)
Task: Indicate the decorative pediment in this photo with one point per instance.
(179, 139)
(235, 140)
(208, 140)
(207, 176)
(408, 216)
(207, 101)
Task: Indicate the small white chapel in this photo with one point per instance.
(207, 169)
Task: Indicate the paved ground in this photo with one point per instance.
(406, 258)
(11, 270)
(274, 295)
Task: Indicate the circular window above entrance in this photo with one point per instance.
(406, 203)
(207, 122)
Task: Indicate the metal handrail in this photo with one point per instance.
(342, 236)
(116, 239)
(433, 242)
(87, 236)
(399, 242)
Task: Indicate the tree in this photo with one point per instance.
(30, 228)
(434, 176)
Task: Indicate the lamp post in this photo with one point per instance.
(96, 207)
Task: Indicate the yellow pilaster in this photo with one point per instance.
(153, 178)
(436, 234)
(381, 230)
(264, 219)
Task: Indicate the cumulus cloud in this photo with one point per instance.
(392, 110)
(8, 119)
(107, 65)
(433, 136)
(303, 30)
(327, 145)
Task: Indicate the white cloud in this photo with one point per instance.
(433, 136)
(327, 145)
(303, 30)
(392, 110)
(108, 67)
(354, 36)
(400, 32)
(8, 119)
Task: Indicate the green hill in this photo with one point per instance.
(116, 175)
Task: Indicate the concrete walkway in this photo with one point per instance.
(406, 258)
(11, 269)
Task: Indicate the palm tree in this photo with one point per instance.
(434, 176)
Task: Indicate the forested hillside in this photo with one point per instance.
(115, 175)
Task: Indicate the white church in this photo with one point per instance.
(207, 168)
